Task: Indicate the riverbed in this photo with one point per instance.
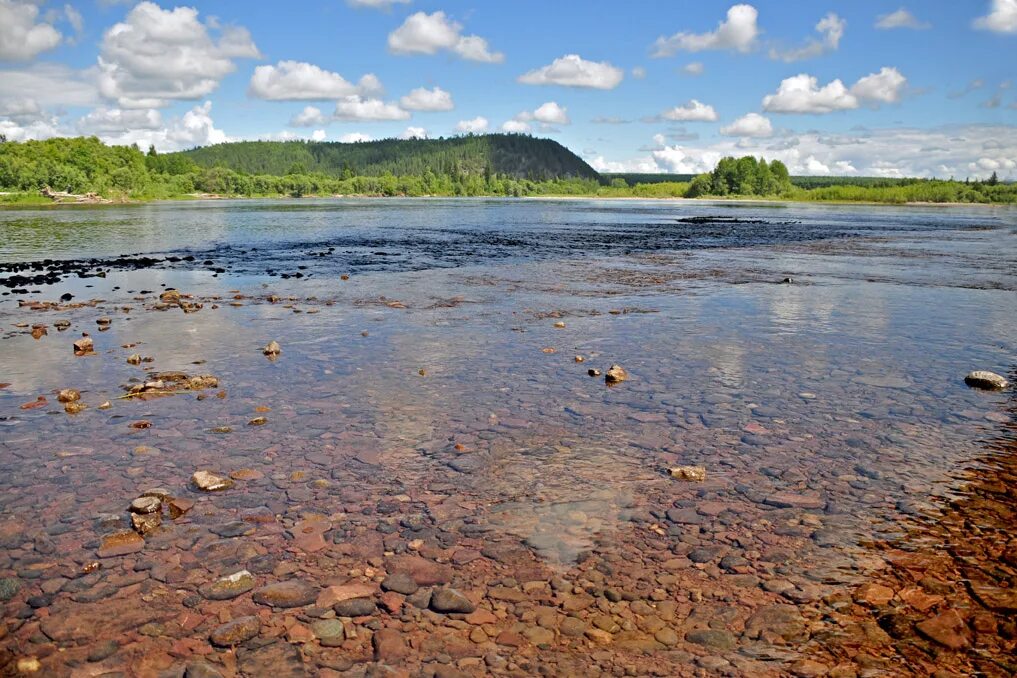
(428, 478)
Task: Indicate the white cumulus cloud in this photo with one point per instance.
(424, 33)
(356, 107)
(749, 125)
(886, 86)
(693, 111)
(831, 30)
(694, 68)
(552, 114)
(155, 56)
(901, 18)
(737, 32)
(476, 125)
(311, 116)
(21, 38)
(802, 94)
(301, 81)
(572, 70)
(1002, 18)
(423, 99)
(515, 127)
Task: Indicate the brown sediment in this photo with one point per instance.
(946, 605)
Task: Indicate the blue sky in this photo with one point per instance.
(861, 87)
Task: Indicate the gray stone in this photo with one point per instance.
(449, 600)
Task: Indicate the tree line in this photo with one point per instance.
(86, 165)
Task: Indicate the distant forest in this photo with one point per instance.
(472, 165)
(509, 155)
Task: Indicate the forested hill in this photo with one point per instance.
(509, 155)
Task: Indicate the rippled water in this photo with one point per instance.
(420, 400)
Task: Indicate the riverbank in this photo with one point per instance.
(14, 200)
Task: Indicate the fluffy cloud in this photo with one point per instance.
(21, 38)
(414, 133)
(884, 87)
(476, 126)
(693, 68)
(311, 116)
(693, 111)
(50, 85)
(358, 108)
(155, 56)
(105, 121)
(957, 150)
(749, 125)
(146, 127)
(552, 114)
(572, 70)
(1001, 19)
(737, 32)
(549, 113)
(301, 81)
(422, 99)
(424, 33)
(830, 29)
(802, 94)
(515, 127)
(902, 18)
(377, 4)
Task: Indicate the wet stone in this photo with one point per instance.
(355, 607)
(329, 632)
(451, 601)
(286, 594)
(9, 587)
(400, 582)
(210, 482)
(236, 632)
(233, 529)
(120, 544)
(712, 638)
(103, 650)
(229, 587)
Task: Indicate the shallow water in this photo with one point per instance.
(417, 408)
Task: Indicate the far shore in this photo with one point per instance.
(32, 202)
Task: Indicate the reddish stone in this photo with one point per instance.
(873, 595)
(389, 645)
(481, 616)
(947, 629)
(424, 572)
(919, 599)
(336, 594)
(120, 544)
(392, 601)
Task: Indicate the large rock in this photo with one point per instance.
(616, 374)
(293, 593)
(389, 645)
(947, 629)
(229, 587)
(238, 631)
(120, 544)
(449, 601)
(986, 380)
(210, 482)
(774, 622)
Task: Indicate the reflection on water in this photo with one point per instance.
(418, 422)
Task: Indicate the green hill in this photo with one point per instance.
(508, 155)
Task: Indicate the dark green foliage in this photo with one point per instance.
(513, 155)
(85, 164)
(744, 176)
